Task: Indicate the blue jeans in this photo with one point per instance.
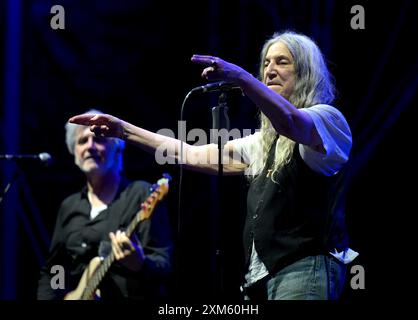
(312, 278)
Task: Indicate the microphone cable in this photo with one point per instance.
(179, 216)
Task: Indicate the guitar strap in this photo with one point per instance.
(113, 222)
(115, 217)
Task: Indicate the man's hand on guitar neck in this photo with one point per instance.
(126, 251)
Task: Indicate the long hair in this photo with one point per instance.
(313, 85)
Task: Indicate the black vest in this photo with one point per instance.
(300, 215)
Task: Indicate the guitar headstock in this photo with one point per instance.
(158, 192)
(161, 187)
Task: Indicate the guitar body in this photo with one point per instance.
(87, 288)
(77, 293)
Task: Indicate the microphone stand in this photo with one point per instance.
(220, 121)
(18, 178)
(9, 184)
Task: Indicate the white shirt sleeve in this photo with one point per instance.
(248, 148)
(336, 137)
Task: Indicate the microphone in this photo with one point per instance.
(216, 86)
(44, 157)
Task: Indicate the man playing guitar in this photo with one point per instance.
(91, 225)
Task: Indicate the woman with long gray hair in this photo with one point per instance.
(295, 239)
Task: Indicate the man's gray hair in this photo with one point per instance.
(71, 130)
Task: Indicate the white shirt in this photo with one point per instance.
(337, 141)
(94, 211)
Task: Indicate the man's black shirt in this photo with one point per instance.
(77, 238)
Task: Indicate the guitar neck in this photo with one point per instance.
(95, 280)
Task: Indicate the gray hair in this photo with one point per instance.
(71, 130)
(313, 85)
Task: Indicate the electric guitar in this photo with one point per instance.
(98, 266)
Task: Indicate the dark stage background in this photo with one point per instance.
(132, 59)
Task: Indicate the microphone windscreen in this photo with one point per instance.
(45, 158)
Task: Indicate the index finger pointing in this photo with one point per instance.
(83, 119)
(87, 119)
(204, 60)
